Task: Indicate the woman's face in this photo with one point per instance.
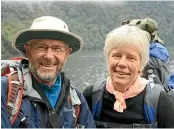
(124, 64)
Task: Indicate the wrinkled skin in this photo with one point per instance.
(124, 64)
(45, 66)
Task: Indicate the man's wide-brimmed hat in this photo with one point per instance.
(47, 27)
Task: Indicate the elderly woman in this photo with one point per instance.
(126, 99)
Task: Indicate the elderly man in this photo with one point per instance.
(37, 94)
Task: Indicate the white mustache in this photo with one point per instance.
(49, 62)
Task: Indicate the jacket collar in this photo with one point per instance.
(25, 73)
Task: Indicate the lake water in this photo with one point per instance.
(83, 68)
(86, 67)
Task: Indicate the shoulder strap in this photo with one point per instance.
(97, 87)
(74, 97)
(15, 92)
(100, 124)
(153, 91)
(75, 101)
(97, 97)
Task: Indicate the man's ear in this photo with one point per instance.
(69, 51)
(27, 50)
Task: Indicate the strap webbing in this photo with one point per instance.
(53, 118)
(100, 124)
(15, 92)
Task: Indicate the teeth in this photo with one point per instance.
(48, 65)
(121, 73)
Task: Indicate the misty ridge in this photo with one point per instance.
(92, 20)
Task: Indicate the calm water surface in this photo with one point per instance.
(86, 67)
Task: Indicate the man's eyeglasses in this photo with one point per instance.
(44, 48)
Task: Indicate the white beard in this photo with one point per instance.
(44, 76)
(48, 76)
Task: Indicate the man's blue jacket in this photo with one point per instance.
(36, 111)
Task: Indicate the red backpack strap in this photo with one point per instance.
(77, 113)
(5, 70)
(15, 92)
(74, 100)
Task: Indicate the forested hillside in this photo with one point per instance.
(91, 20)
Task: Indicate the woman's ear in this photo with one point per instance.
(140, 72)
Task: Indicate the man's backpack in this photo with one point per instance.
(15, 88)
(15, 92)
(152, 94)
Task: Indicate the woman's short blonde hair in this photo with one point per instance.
(129, 36)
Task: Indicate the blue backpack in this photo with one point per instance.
(159, 65)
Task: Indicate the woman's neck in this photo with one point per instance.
(120, 88)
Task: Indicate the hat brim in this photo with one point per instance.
(73, 41)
